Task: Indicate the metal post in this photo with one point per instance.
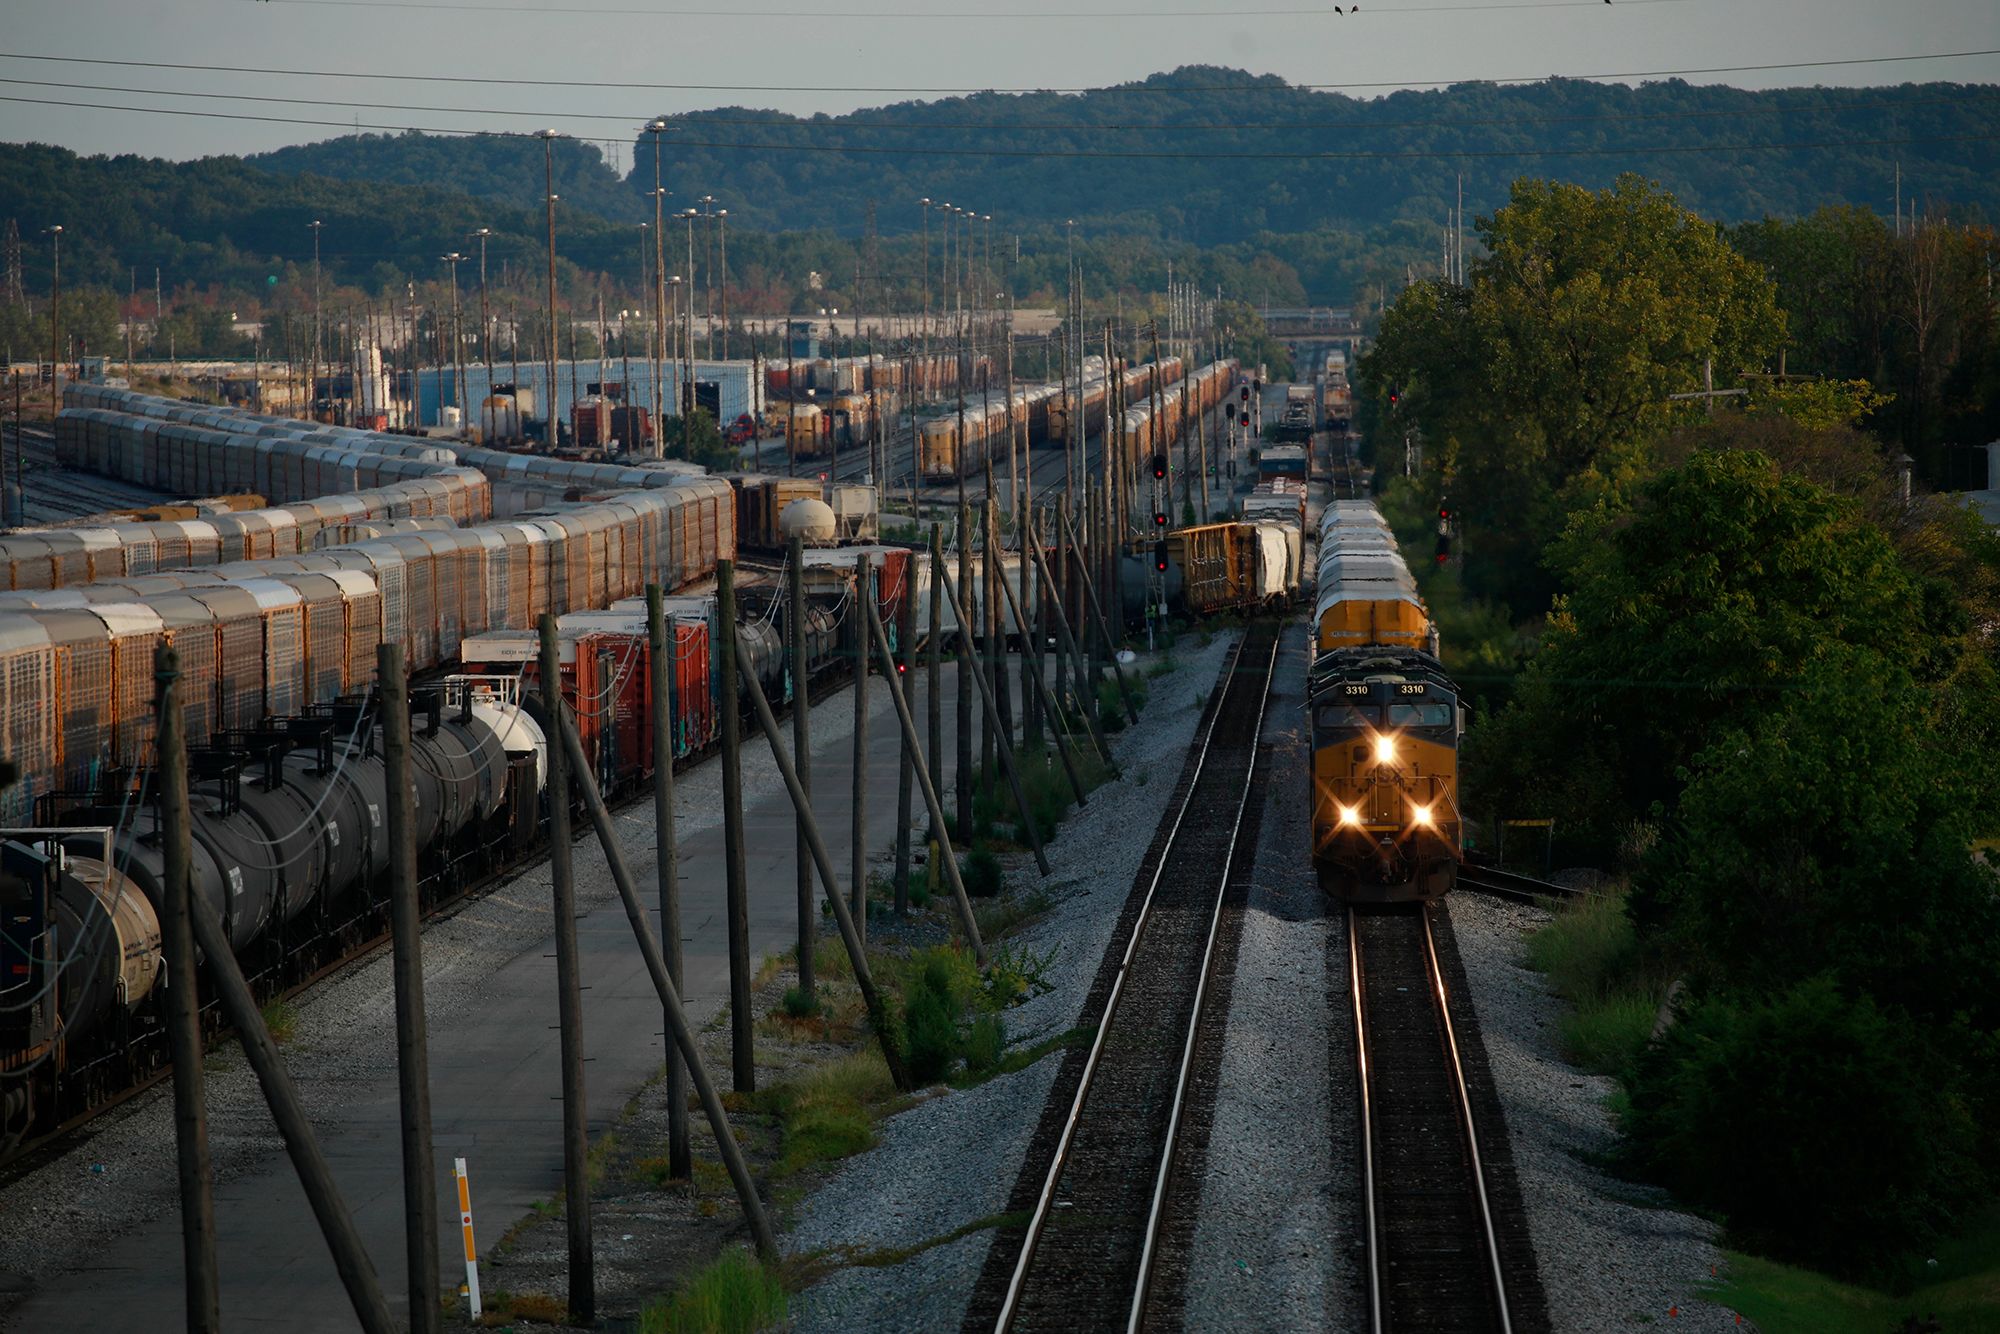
(412, 1043)
(569, 999)
(993, 729)
(670, 1000)
(903, 685)
(857, 954)
(941, 839)
(666, 845)
(795, 657)
(858, 885)
(742, 1056)
(184, 1006)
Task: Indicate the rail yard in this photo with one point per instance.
(344, 539)
(659, 673)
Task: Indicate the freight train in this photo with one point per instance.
(1386, 722)
(1044, 415)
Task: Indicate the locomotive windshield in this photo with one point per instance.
(1429, 714)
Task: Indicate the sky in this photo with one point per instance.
(806, 56)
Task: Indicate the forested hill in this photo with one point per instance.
(504, 168)
(1208, 155)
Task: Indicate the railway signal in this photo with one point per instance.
(1159, 467)
(1160, 555)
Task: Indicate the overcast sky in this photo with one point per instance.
(773, 53)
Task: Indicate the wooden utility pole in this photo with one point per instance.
(905, 687)
(1086, 680)
(1006, 750)
(934, 704)
(742, 1056)
(964, 775)
(413, 1066)
(857, 954)
(569, 998)
(202, 1288)
(1104, 628)
(941, 834)
(1034, 683)
(795, 656)
(670, 1001)
(665, 644)
(858, 886)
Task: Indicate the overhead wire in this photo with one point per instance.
(1126, 88)
(1449, 154)
(980, 16)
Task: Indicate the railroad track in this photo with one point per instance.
(1507, 885)
(1089, 1251)
(1447, 1247)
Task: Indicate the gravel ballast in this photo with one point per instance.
(950, 1163)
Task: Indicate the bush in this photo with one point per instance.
(948, 1016)
(799, 1004)
(1817, 1123)
(982, 874)
(930, 1024)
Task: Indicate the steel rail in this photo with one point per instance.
(1167, 1149)
(1370, 1230)
(1046, 1197)
(1461, 1097)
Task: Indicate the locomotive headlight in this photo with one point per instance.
(1350, 816)
(1422, 815)
(1385, 749)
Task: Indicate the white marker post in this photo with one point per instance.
(465, 1226)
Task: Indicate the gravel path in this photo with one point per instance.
(950, 1163)
(1612, 1254)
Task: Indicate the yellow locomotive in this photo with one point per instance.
(1386, 720)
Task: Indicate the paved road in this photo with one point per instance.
(494, 1066)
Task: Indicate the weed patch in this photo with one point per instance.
(282, 1021)
(734, 1294)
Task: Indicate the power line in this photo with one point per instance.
(1161, 154)
(702, 119)
(886, 89)
(985, 16)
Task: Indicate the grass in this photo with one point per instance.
(1962, 1289)
(282, 1020)
(1591, 957)
(829, 1112)
(734, 1294)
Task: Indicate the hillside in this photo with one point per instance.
(1338, 161)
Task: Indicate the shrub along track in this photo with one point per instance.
(1099, 1177)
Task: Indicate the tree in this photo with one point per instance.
(1540, 385)
(1700, 607)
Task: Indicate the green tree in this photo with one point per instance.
(1539, 386)
(1703, 605)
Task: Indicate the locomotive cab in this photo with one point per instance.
(1386, 826)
